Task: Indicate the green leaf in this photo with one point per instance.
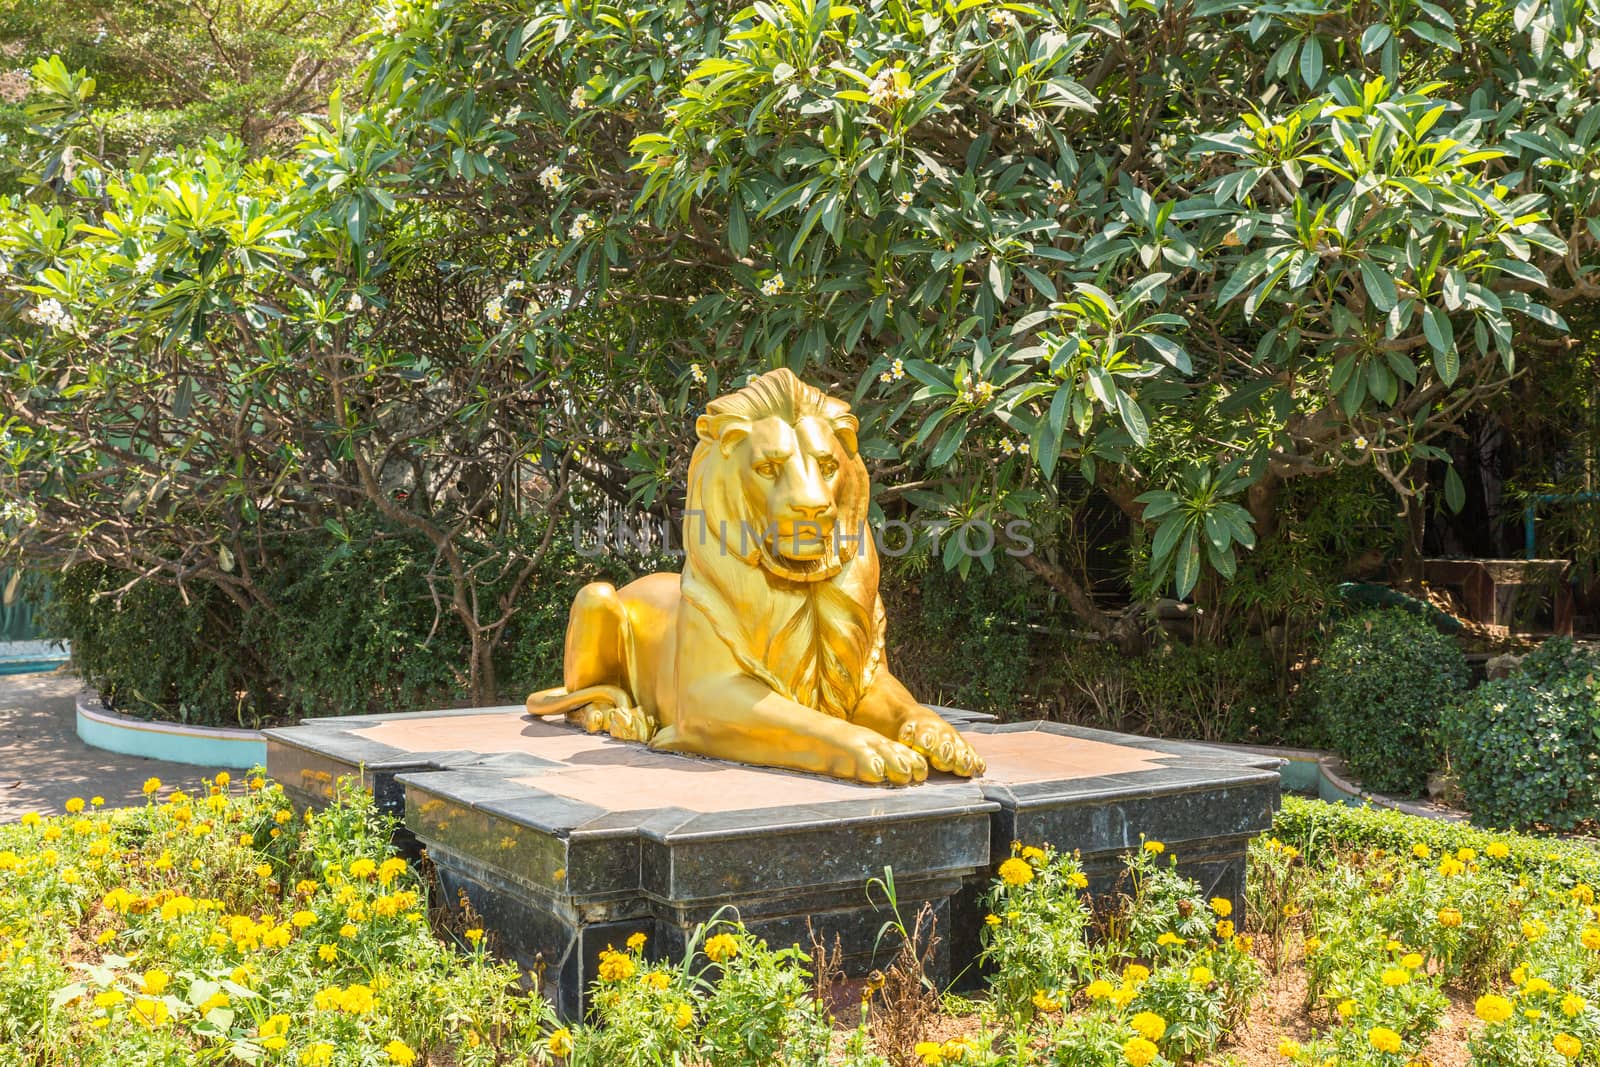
(1379, 285)
(1441, 337)
(1455, 494)
(1188, 564)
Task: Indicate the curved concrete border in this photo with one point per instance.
(1322, 775)
(201, 746)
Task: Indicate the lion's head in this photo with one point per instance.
(776, 479)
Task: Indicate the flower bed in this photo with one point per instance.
(224, 927)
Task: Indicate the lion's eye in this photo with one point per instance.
(827, 465)
(767, 469)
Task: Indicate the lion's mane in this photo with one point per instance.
(817, 641)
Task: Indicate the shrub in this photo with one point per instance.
(1208, 692)
(1527, 747)
(1384, 680)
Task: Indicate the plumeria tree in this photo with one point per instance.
(1194, 253)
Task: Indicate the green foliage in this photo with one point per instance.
(200, 668)
(1527, 747)
(1384, 681)
(1207, 692)
(347, 626)
(1314, 826)
(165, 73)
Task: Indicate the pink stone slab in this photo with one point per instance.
(665, 780)
(1022, 756)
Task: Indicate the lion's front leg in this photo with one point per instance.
(890, 710)
(736, 717)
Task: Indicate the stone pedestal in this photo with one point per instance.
(566, 842)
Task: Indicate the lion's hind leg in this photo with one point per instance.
(595, 670)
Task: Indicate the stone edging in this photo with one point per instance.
(1322, 774)
(201, 746)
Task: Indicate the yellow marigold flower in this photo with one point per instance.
(1045, 1002)
(931, 1053)
(275, 1026)
(303, 918)
(1135, 973)
(1015, 872)
(1149, 1025)
(1396, 976)
(109, 999)
(1466, 855)
(155, 982)
(151, 785)
(1449, 867)
(1572, 1004)
(31, 819)
(722, 948)
(1155, 848)
(98, 802)
(1033, 854)
(474, 935)
(682, 1015)
(1497, 850)
(213, 1002)
(1200, 975)
(1537, 986)
(1312, 944)
(1078, 880)
(1533, 929)
(399, 1052)
(264, 871)
(150, 1012)
(327, 953)
(657, 979)
(75, 805)
(1099, 989)
(363, 868)
(1421, 851)
(1347, 1008)
(1411, 960)
(1449, 917)
(1591, 938)
(1224, 929)
(1222, 906)
(1140, 1052)
(390, 869)
(636, 942)
(1170, 938)
(1288, 1048)
(1383, 1039)
(1568, 1046)
(319, 1054)
(348, 932)
(992, 919)
(1492, 1008)
(616, 966)
(1519, 974)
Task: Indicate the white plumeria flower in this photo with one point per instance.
(145, 263)
(495, 310)
(355, 303)
(773, 285)
(697, 373)
(906, 197)
(553, 178)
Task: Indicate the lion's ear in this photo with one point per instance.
(721, 430)
(844, 428)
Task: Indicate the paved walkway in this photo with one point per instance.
(43, 764)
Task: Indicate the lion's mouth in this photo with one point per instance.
(802, 556)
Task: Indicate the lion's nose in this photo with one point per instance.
(812, 512)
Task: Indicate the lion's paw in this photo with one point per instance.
(629, 724)
(592, 717)
(942, 744)
(874, 759)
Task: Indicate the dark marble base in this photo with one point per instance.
(520, 818)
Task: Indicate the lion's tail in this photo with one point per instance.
(559, 701)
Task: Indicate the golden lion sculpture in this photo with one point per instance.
(769, 647)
